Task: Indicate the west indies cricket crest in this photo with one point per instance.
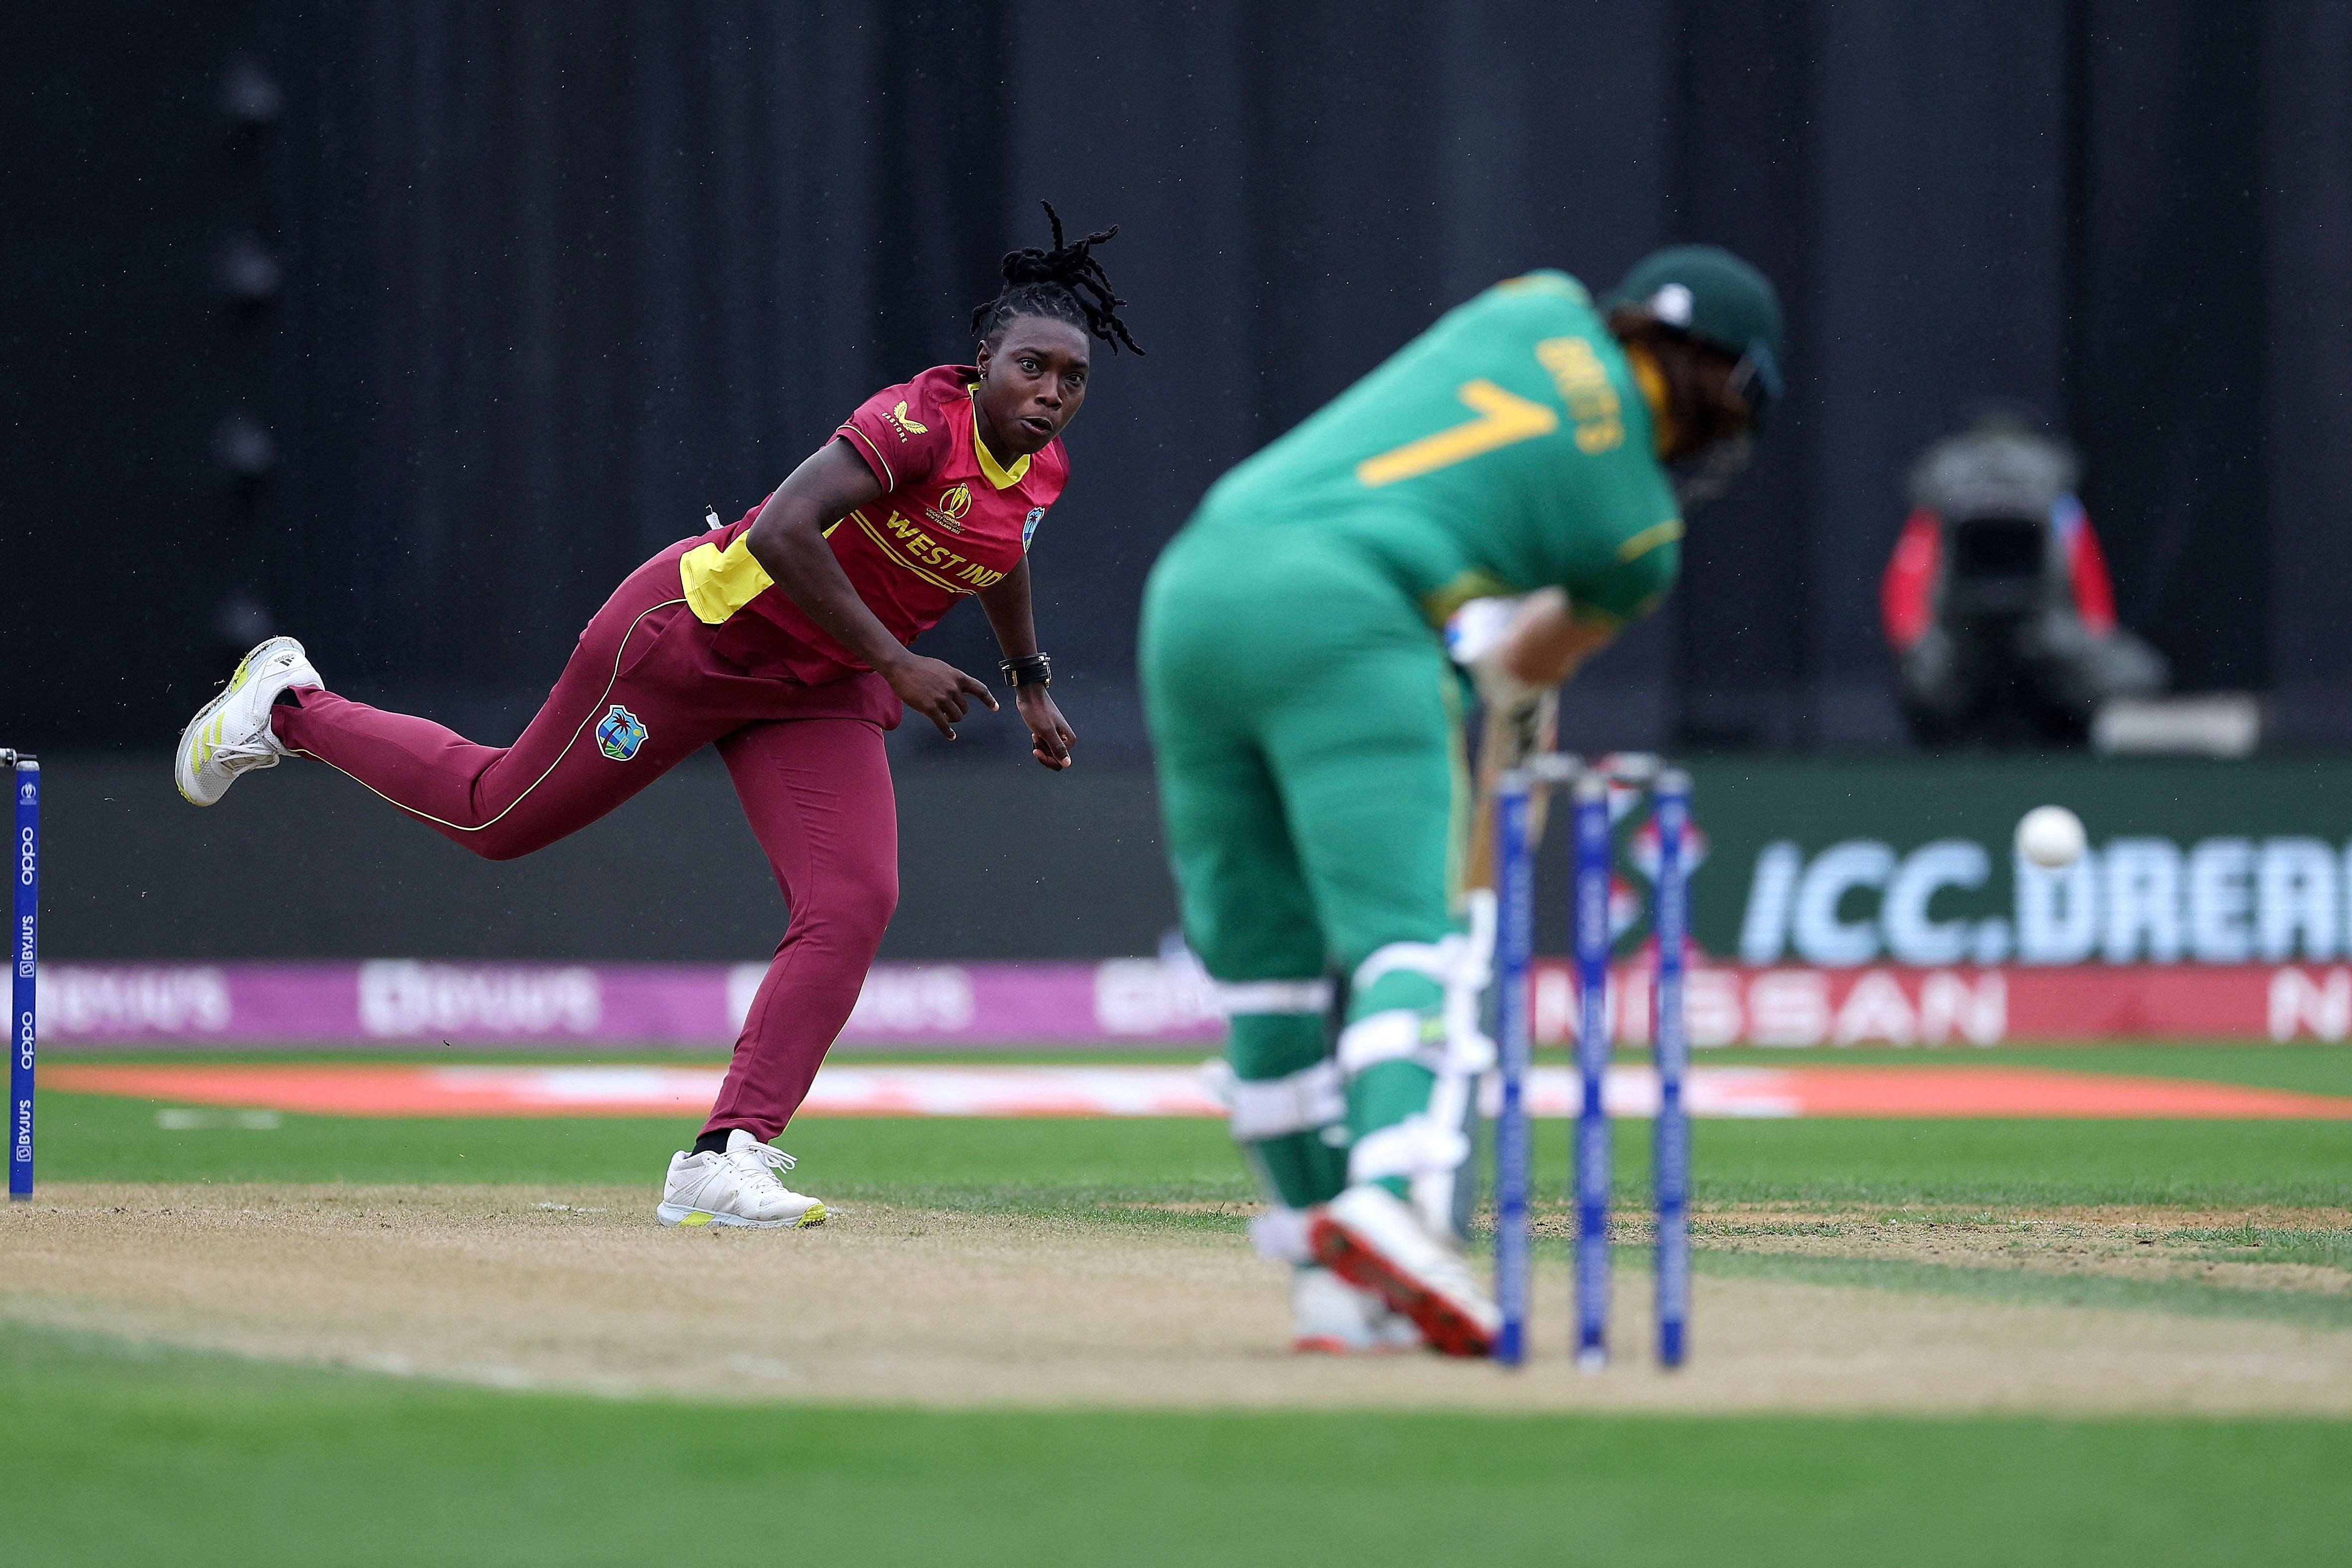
(620, 734)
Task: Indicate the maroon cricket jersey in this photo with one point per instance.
(951, 521)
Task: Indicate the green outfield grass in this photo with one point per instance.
(122, 1457)
(83, 1138)
(124, 1453)
(962, 1160)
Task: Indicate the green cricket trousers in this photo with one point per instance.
(1308, 726)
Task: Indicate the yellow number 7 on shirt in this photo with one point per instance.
(1504, 417)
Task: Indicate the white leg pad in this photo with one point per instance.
(1429, 1148)
(1460, 965)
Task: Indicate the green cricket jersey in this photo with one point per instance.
(1506, 448)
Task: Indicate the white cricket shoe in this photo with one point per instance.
(735, 1188)
(1330, 1317)
(1370, 1237)
(230, 734)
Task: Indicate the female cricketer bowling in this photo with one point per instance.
(1308, 731)
(784, 640)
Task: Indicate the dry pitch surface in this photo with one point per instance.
(579, 1289)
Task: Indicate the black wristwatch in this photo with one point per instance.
(1029, 670)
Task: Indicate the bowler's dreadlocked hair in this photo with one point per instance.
(1063, 284)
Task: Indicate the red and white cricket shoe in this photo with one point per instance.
(1370, 1237)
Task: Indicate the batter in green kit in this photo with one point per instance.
(1309, 729)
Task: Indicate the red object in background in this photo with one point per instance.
(2086, 566)
(1907, 591)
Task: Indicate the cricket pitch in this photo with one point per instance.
(579, 1289)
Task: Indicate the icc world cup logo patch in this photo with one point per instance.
(620, 734)
(955, 505)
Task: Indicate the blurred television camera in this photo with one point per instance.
(1997, 601)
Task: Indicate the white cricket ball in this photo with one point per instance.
(2050, 837)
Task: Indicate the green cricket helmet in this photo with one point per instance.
(1713, 296)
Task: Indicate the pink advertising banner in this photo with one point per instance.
(1146, 1002)
(409, 1001)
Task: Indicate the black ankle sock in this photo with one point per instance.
(712, 1143)
(286, 698)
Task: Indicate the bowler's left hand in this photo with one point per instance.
(1050, 735)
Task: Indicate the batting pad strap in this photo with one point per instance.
(1236, 997)
(1279, 1235)
(1392, 1036)
(1400, 1035)
(1419, 1146)
(1310, 1098)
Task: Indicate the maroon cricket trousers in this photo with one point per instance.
(649, 685)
